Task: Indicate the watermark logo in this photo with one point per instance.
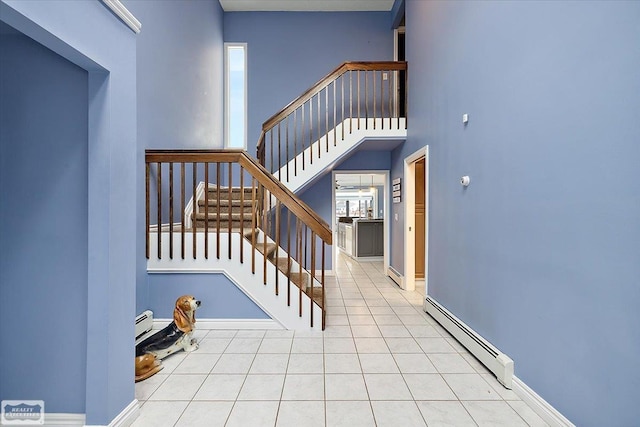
(21, 412)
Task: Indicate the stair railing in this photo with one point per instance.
(274, 221)
(356, 95)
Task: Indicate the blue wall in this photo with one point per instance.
(43, 225)
(221, 299)
(540, 253)
(90, 36)
(179, 91)
(180, 73)
(289, 52)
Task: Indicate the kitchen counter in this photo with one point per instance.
(361, 238)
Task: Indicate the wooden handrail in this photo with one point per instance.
(325, 81)
(307, 215)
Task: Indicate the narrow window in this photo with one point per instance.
(235, 130)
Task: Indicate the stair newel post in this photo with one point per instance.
(311, 130)
(159, 206)
(319, 124)
(288, 257)
(406, 98)
(254, 225)
(206, 210)
(182, 219)
(335, 106)
(358, 98)
(323, 285)
(313, 273)
(382, 98)
(147, 197)
(302, 134)
(390, 101)
(342, 101)
(171, 210)
(299, 253)
(366, 99)
(194, 171)
(373, 79)
(230, 222)
(265, 234)
(277, 227)
(218, 179)
(242, 215)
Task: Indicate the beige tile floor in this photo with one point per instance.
(381, 361)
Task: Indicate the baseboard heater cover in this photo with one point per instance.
(498, 363)
(395, 275)
(144, 323)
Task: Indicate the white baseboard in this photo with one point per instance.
(127, 416)
(211, 324)
(63, 420)
(326, 273)
(124, 419)
(540, 406)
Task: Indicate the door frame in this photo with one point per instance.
(409, 281)
(386, 214)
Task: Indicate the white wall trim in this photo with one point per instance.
(408, 192)
(63, 420)
(127, 416)
(540, 406)
(124, 14)
(213, 324)
(124, 419)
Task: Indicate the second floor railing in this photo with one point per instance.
(354, 96)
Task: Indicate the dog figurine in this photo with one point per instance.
(178, 335)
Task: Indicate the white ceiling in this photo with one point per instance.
(306, 5)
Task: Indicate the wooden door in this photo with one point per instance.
(420, 218)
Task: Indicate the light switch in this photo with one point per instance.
(385, 76)
(395, 216)
(465, 119)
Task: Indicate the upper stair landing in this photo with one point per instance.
(358, 101)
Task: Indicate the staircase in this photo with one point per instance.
(261, 236)
(243, 218)
(354, 103)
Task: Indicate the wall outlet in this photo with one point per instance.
(385, 76)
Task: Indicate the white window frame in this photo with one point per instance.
(227, 116)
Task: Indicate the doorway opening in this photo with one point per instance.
(416, 233)
(360, 197)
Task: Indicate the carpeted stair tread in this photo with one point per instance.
(224, 216)
(235, 193)
(271, 249)
(315, 292)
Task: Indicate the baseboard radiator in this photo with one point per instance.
(498, 363)
(144, 323)
(395, 276)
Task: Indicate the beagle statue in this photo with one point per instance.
(178, 335)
